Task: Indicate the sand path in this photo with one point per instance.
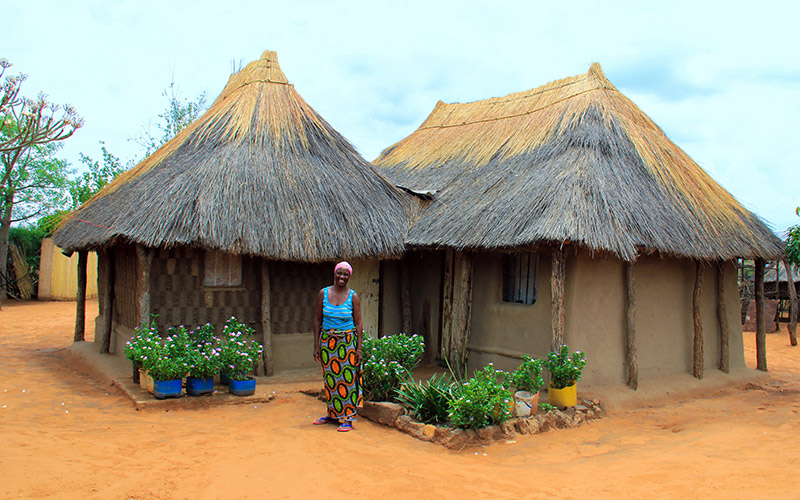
(64, 435)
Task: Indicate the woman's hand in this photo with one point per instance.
(317, 353)
(359, 357)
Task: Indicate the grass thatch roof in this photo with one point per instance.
(259, 173)
(573, 160)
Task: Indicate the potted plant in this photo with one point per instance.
(565, 370)
(168, 365)
(204, 361)
(239, 354)
(527, 380)
(482, 400)
(141, 346)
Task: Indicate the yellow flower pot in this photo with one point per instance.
(563, 398)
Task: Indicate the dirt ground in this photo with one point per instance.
(65, 435)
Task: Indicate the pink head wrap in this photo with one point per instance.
(344, 265)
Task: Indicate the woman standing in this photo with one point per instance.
(337, 347)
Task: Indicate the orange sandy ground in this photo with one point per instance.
(64, 435)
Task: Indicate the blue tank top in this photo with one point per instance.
(337, 317)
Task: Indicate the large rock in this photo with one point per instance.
(381, 412)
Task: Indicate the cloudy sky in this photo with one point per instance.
(721, 78)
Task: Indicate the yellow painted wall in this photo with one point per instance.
(58, 274)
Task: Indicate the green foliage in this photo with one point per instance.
(792, 250)
(565, 369)
(387, 363)
(481, 401)
(238, 351)
(546, 407)
(528, 375)
(179, 114)
(204, 354)
(170, 359)
(428, 401)
(144, 343)
(87, 184)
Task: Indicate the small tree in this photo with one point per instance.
(792, 260)
(28, 129)
(96, 177)
(179, 114)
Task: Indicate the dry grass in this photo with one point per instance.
(573, 160)
(259, 173)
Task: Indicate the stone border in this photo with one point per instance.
(394, 415)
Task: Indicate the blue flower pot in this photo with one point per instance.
(242, 387)
(199, 386)
(167, 388)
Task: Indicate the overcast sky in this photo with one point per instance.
(721, 78)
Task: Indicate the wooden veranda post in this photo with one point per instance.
(631, 365)
(405, 297)
(722, 314)
(266, 320)
(463, 307)
(792, 327)
(761, 329)
(144, 262)
(447, 307)
(80, 308)
(108, 300)
(697, 364)
(557, 277)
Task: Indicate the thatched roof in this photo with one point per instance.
(259, 173)
(573, 160)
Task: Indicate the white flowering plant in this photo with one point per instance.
(482, 400)
(169, 360)
(387, 364)
(143, 344)
(565, 369)
(238, 351)
(204, 355)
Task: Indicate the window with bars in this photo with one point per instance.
(222, 269)
(520, 274)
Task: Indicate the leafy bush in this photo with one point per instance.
(170, 359)
(204, 355)
(387, 363)
(482, 400)
(144, 343)
(428, 401)
(564, 369)
(528, 375)
(238, 351)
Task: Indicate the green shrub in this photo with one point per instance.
(528, 375)
(482, 400)
(565, 369)
(239, 352)
(429, 401)
(204, 355)
(170, 359)
(143, 344)
(387, 363)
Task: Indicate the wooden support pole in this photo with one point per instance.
(405, 297)
(792, 327)
(108, 300)
(448, 286)
(722, 315)
(463, 308)
(631, 364)
(761, 329)
(697, 364)
(144, 262)
(80, 308)
(266, 319)
(557, 277)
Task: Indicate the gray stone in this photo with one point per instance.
(381, 412)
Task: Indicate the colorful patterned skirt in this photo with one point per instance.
(341, 374)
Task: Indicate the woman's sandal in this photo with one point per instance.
(345, 427)
(325, 420)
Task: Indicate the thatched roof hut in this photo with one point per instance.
(259, 173)
(573, 160)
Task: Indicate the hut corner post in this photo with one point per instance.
(80, 307)
(631, 364)
(557, 277)
(722, 313)
(266, 320)
(456, 308)
(697, 358)
(761, 330)
(405, 296)
(792, 327)
(144, 262)
(107, 257)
